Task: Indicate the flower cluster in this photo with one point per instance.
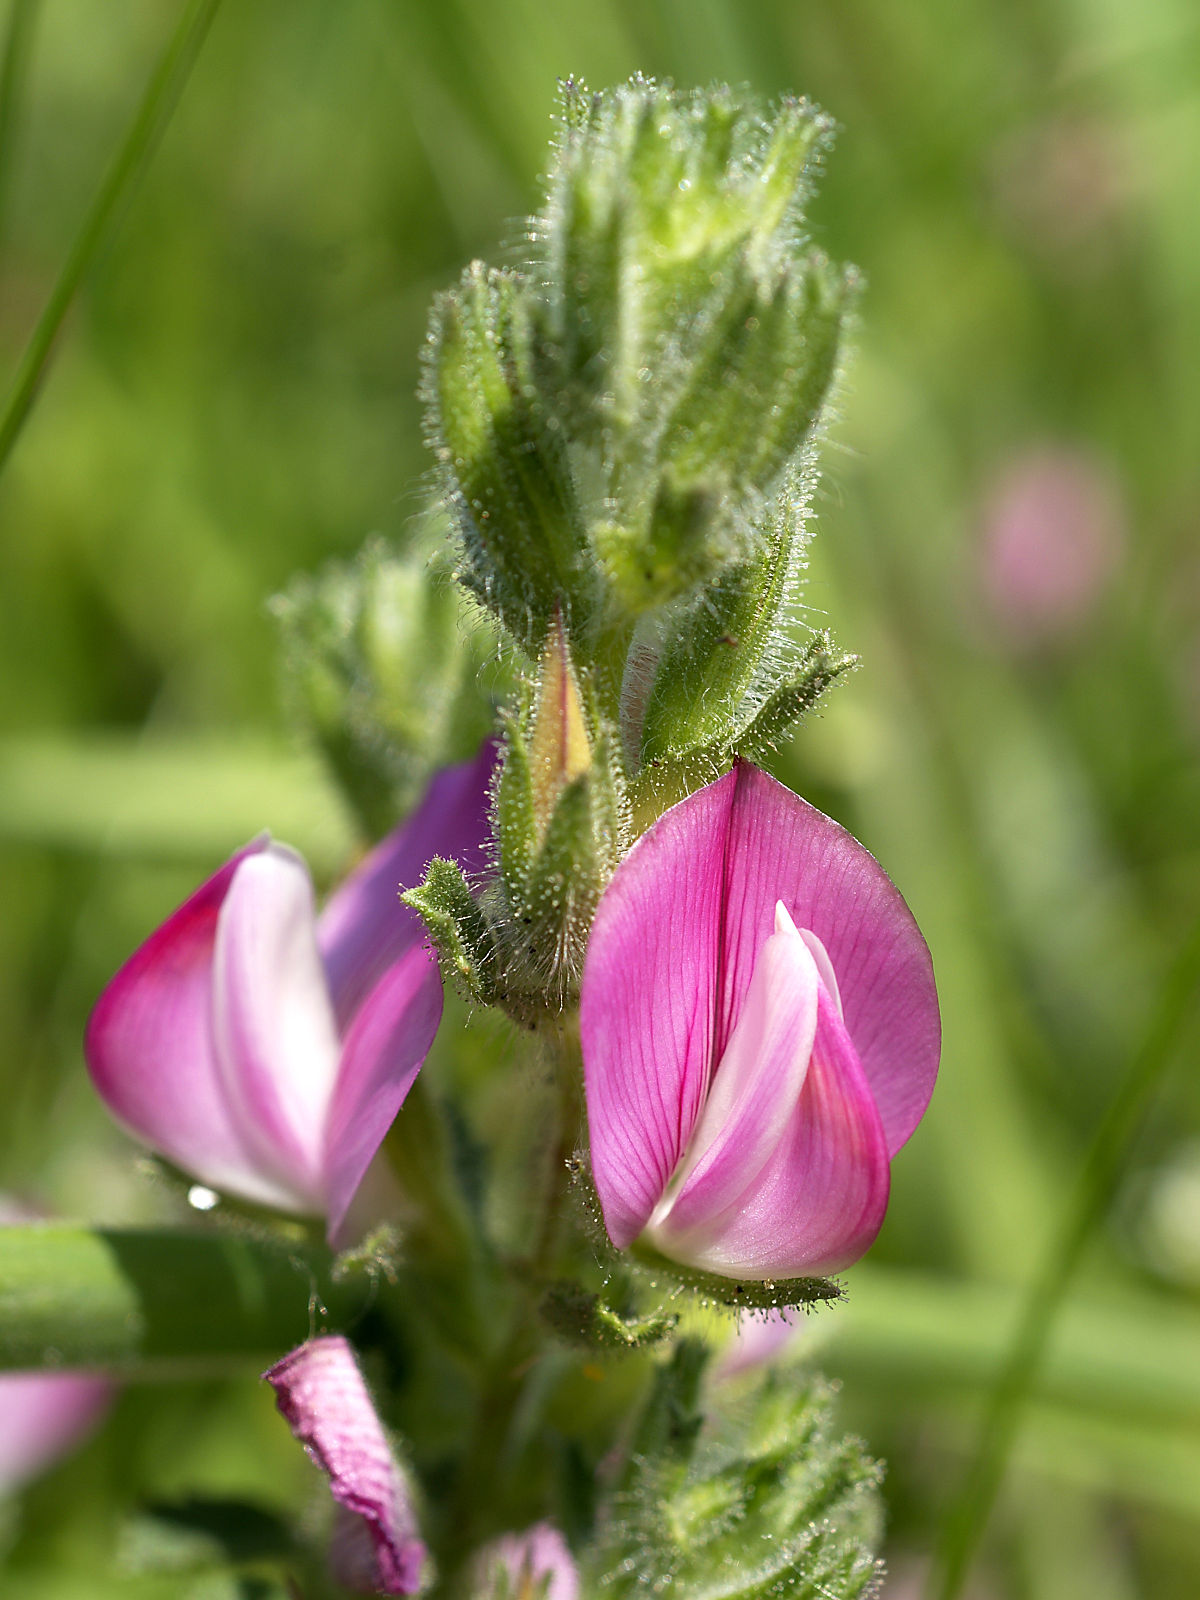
(729, 985)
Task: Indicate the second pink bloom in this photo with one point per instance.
(760, 1036)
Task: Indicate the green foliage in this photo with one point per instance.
(760, 1500)
(458, 928)
(384, 672)
(586, 1319)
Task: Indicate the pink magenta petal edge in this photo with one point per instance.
(381, 1056)
(647, 1006)
(321, 1393)
(150, 1049)
(363, 928)
(781, 848)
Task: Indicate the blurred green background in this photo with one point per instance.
(232, 399)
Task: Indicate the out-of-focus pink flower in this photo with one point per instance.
(1053, 536)
(760, 1338)
(536, 1564)
(376, 1546)
(760, 1035)
(43, 1416)
(265, 1049)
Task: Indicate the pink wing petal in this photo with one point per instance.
(781, 848)
(44, 1416)
(754, 1093)
(320, 1391)
(381, 1056)
(819, 1201)
(363, 927)
(150, 1050)
(273, 1022)
(648, 1005)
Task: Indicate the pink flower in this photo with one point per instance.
(1053, 537)
(376, 1546)
(536, 1564)
(265, 1049)
(760, 1036)
(45, 1415)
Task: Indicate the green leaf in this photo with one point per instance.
(458, 928)
(586, 1319)
(763, 1500)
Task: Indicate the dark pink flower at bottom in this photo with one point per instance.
(760, 1036)
(376, 1546)
(536, 1563)
(43, 1416)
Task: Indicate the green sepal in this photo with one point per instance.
(821, 667)
(718, 647)
(768, 1294)
(500, 446)
(458, 929)
(583, 1318)
(758, 1502)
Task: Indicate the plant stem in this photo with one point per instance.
(487, 1461)
(153, 114)
(13, 59)
(1093, 1191)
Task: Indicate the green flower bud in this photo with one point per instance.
(384, 675)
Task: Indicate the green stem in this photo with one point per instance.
(13, 58)
(1093, 1191)
(152, 1303)
(151, 118)
(489, 1460)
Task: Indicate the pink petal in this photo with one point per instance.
(818, 1203)
(364, 928)
(648, 1006)
(381, 1056)
(760, 1338)
(272, 1020)
(320, 1391)
(781, 848)
(754, 1093)
(44, 1416)
(150, 1050)
(537, 1556)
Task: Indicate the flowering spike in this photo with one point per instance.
(376, 1548)
(739, 1121)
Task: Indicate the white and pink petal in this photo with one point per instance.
(151, 1051)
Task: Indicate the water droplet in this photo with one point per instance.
(201, 1198)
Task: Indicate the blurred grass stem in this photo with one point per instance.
(153, 113)
(1093, 1191)
(14, 57)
